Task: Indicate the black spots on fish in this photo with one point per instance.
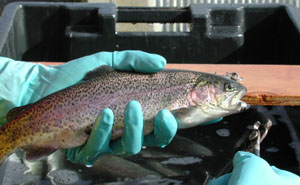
(111, 91)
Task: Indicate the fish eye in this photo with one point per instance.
(228, 87)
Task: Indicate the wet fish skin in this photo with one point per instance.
(61, 119)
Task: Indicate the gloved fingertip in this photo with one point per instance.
(166, 119)
(158, 62)
(131, 142)
(105, 119)
(106, 111)
(98, 142)
(102, 128)
(154, 63)
(223, 180)
(242, 155)
(133, 104)
(139, 61)
(165, 128)
(100, 136)
(133, 113)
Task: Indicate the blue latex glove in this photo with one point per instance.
(249, 169)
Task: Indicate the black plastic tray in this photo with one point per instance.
(245, 34)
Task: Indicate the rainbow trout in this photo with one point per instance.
(62, 120)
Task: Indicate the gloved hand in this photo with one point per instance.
(165, 128)
(249, 169)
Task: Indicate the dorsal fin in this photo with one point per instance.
(13, 113)
(99, 71)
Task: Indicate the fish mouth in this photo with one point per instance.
(230, 105)
(235, 103)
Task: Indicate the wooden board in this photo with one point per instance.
(266, 84)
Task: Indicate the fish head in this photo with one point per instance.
(217, 95)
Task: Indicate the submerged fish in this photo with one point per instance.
(188, 147)
(61, 120)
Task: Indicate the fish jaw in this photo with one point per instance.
(233, 102)
(196, 115)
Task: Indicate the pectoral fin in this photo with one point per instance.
(33, 154)
(190, 117)
(69, 139)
